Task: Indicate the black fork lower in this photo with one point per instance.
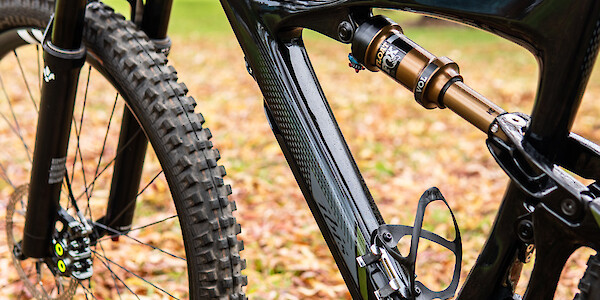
(64, 56)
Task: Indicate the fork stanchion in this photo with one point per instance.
(379, 44)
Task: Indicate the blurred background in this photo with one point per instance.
(401, 148)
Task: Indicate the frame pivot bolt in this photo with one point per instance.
(345, 31)
(568, 207)
(525, 230)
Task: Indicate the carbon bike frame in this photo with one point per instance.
(269, 32)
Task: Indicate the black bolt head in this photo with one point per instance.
(569, 207)
(525, 230)
(345, 31)
(387, 236)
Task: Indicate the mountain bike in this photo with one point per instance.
(82, 215)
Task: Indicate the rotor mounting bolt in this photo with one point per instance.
(387, 237)
(345, 31)
(569, 207)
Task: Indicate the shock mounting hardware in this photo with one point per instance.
(345, 31)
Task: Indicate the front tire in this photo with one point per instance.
(145, 85)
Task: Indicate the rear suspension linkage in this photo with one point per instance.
(561, 209)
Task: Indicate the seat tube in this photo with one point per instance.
(64, 55)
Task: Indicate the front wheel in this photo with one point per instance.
(183, 241)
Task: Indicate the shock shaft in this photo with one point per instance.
(379, 44)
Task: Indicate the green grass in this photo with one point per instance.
(198, 18)
(189, 17)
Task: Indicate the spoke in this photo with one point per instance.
(87, 86)
(140, 242)
(112, 113)
(113, 274)
(106, 262)
(138, 194)
(110, 162)
(5, 176)
(38, 268)
(78, 130)
(139, 228)
(38, 271)
(86, 191)
(87, 291)
(17, 129)
(153, 223)
(149, 183)
(139, 277)
(12, 128)
(18, 133)
(30, 272)
(55, 286)
(78, 151)
(25, 80)
(70, 194)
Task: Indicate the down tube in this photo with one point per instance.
(318, 155)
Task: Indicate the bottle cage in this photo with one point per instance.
(387, 238)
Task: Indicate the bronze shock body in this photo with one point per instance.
(379, 44)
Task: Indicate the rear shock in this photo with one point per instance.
(379, 44)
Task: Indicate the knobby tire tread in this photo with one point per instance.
(589, 285)
(176, 132)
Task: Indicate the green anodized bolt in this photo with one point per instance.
(61, 266)
(59, 249)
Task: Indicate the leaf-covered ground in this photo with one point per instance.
(401, 149)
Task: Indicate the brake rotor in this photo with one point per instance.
(39, 281)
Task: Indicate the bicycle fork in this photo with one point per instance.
(64, 56)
